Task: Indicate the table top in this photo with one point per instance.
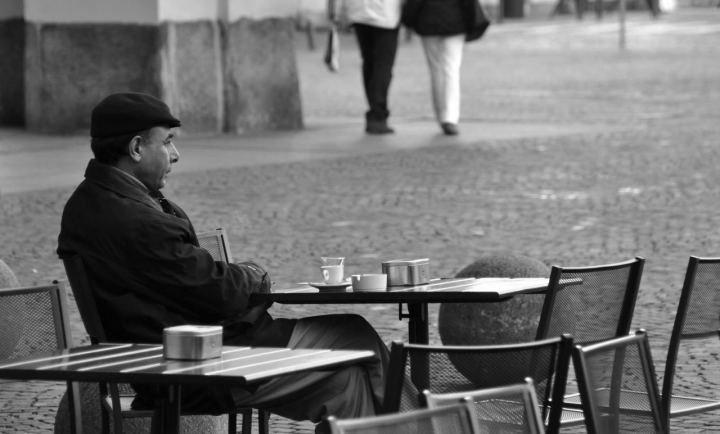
(437, 291)
(138, 363)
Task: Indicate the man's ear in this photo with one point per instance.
(135, 149)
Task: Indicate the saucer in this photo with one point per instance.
(331, 287)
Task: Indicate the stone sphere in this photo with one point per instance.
(91, 420)
(11, 313)
(512, 321)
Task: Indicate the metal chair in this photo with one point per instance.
(41, 316)
(600, 306)
(453, 369)
(117, 398)
(697, 318)
(509, 409)
(618, 386)
(456, 419)
(592, 304)
(216, 242)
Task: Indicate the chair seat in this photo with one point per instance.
(680, 406)
(571, 417)
(684, 405)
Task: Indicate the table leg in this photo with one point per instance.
(171, 410)
(418, 332)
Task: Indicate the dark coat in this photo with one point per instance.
(445, 18)
(146, 269)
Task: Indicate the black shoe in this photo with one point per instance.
(378, 127)
(449, 129)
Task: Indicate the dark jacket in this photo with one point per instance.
(445, 18)
(144, 264)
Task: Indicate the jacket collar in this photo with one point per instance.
(116, 180)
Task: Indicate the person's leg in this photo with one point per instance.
(451, 62)
(384, 51)
(353, 391)
(433, 54)
(364, 35)
(444, 57)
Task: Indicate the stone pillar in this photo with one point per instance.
(79, 51)
(12, 63)
(262, 91)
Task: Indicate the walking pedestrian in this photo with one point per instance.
(444, 27)
(376, 24)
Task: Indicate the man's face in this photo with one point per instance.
(158, 156)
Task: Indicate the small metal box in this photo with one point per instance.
(404, 272)
(191, 342)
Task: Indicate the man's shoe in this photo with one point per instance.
(449, 129)
(378, 128)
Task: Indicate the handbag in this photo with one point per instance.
(477, 20)
(332, 52)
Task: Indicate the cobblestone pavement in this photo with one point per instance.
(650, 189)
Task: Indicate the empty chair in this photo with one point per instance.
(697, 319)
(446, 369)
(117, 398)
(35, 320)
(591, 303)
(455, 419)
(618, 387)
(509, 409)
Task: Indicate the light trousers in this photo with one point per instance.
(444, 57)
(347, 392)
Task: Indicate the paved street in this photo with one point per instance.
(570, 152)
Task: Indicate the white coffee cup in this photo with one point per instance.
(365, 282)
(332, 274)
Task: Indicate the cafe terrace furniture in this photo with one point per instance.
(456, 419)
(41, 313)
(697, 318)
(462, 290)
(618, 386)
(599, 309)
(117, 398)
(138, 363)
(455, 369)
(508, 409)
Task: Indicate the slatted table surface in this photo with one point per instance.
(136, 363)
(438, 291)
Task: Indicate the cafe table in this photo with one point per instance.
(417, 298)
(137, 363)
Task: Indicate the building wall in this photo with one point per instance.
(262, 87)
(221, 65)
(12, 63)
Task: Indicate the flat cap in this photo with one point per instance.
(127, 113)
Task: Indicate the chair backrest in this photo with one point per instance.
(75, 270)
(591, 303)
(216, 242)
(618, 387)
(449, 369)
(509, 409)
(698, 314)
(33, 320)
(456, 419)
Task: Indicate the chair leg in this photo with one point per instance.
(263, 422)
(104, 419)
(232, 423)
(247, 422)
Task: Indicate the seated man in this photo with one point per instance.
(144, 264)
